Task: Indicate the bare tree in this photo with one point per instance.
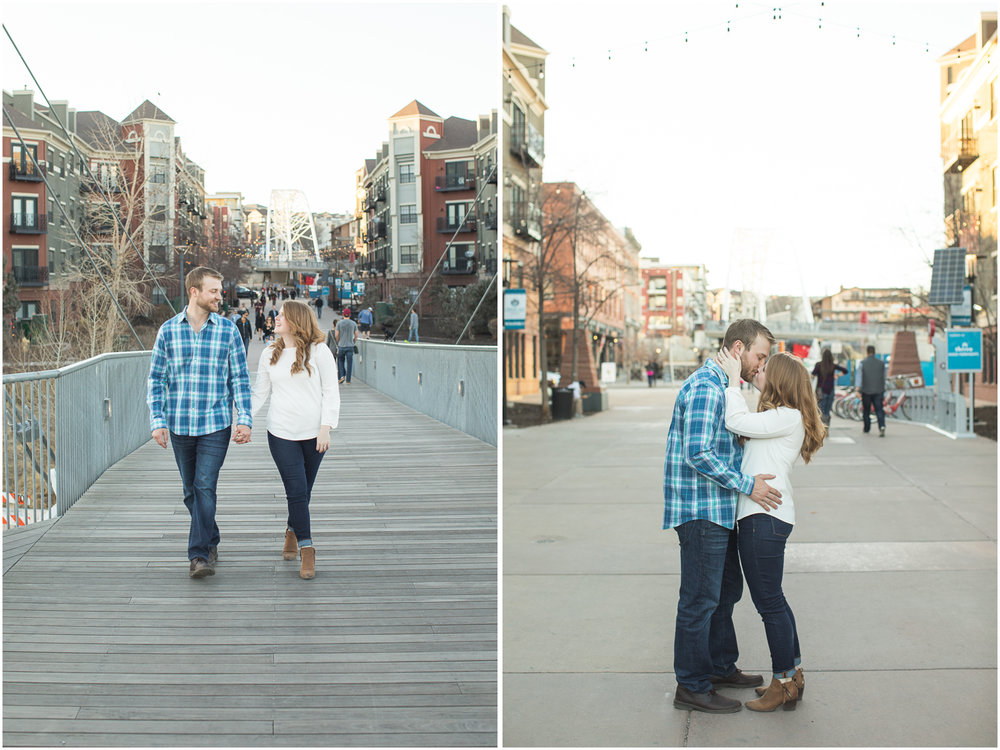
(92, 324)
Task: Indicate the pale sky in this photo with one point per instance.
(266, 95)
(818, 150)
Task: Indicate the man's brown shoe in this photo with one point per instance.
(738, 679)
(710, 702)
(213, 556)
(200, 568)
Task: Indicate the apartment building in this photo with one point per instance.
(969, 153)
(874, 305)
(423, 207)
(674, 298)
(523, 89)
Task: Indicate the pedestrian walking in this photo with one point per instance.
(787, 426)
(245, 329)
(344, 336)
(298, 374)
(414, 321)
(651, 373)
(259, 322)
(825, 371)
(198, 370)
(701, 483)
(269, 328)
(319, 306)
(873, 391)
(366, 319)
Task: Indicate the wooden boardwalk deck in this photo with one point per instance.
(108, 642)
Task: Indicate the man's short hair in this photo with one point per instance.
(746, 330)
(196, 277)
(870, 350)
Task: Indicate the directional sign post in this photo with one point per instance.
(965, 355)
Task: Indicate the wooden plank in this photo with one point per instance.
(107, 641)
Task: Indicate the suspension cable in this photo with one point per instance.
(95, 181)
(475, 209)
(34, 160)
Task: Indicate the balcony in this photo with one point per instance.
(26, 171)
(381, 193)
(445, 227)
(465, 181)
(962, 152)
(490, 220)
(90, 186)
(369, 204)
(458, 266)
(962, 230)
(529, 145)
(378, 230)
(28, 223)
(526, 219)
(31, 275)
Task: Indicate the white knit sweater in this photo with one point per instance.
(302, 402)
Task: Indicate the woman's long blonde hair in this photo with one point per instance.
(304, 328)
(788, 383)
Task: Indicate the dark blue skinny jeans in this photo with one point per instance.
(298, 462)
(711, 584)
(199, 458)
(868, 402)
(762, 540)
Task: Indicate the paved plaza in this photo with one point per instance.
(891, 573)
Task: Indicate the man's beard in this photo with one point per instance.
(746, 370)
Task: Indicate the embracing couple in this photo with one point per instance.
(727, 494)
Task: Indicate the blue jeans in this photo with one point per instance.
(762, 540)
(873, 399)
(199, 458)
(825, 404)
(298, 462)
(414, 334)
(345, 362)
(711, 583)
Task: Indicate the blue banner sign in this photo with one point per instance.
(515, 306)
(965, 350)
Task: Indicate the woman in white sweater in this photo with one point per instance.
(787, 425)
(299, 374)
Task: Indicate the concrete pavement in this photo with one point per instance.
(891, 573)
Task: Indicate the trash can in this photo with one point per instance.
(562, 403)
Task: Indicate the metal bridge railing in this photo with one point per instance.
(63, 428)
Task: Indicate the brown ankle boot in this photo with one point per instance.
(308, 569)
(777, 694)
(291, 550)
(800, 682)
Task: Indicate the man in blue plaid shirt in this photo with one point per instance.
(198, 370)
(701, 484)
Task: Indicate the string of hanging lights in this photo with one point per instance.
(737, 16)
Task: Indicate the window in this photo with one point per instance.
(27, 310)
(408, 213)
(456, 173)
(406, 173)
(21, 159)
(516, 200)
(159, 150)
(159, 213)
(25, 211)
(518, 131)
(159, 174)
(456, 214)
(408, 254)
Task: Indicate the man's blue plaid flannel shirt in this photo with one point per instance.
(701, 473)
(195, 377)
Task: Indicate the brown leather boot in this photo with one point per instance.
(777, 694)
(308, 569)
(800, 682)
(291, 550)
